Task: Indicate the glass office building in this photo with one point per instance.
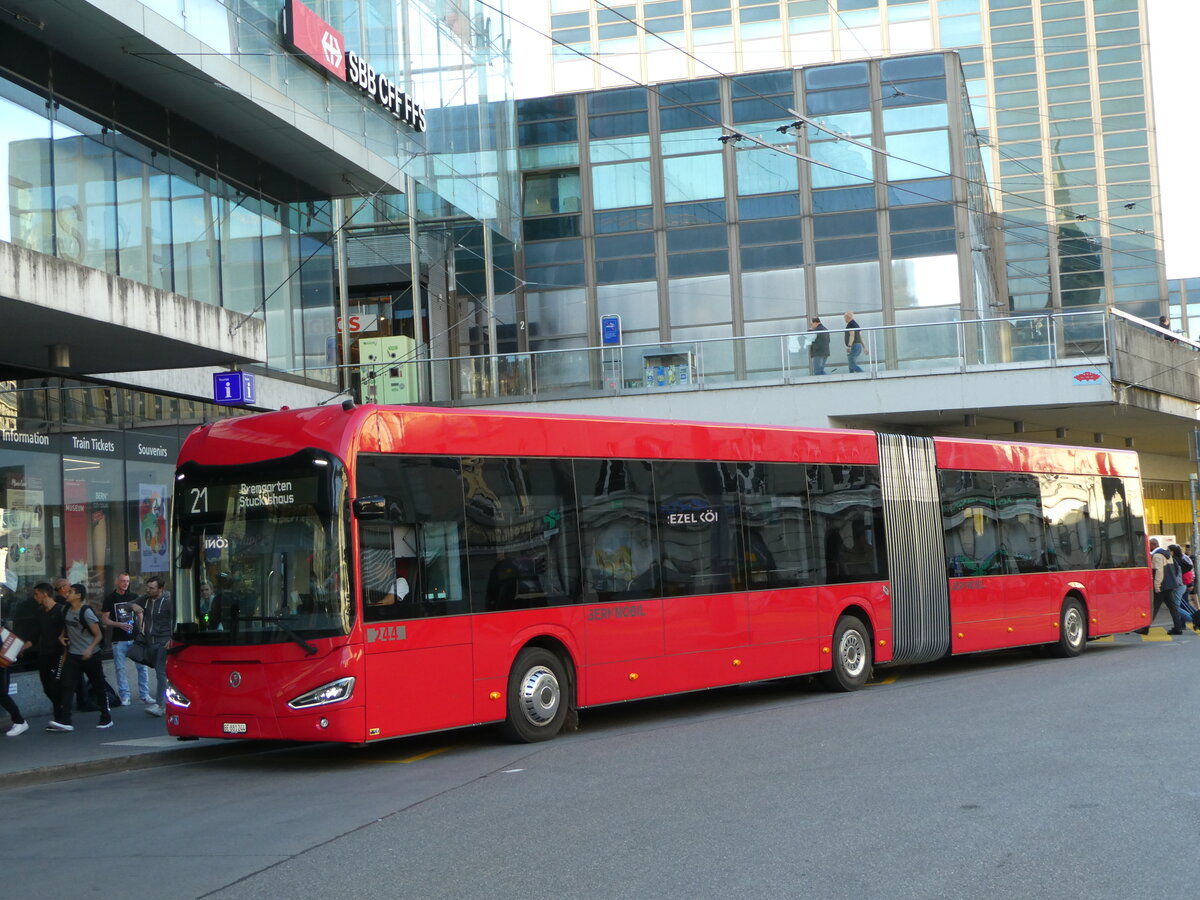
(1060, 91)
(176, 175)
(706, 209)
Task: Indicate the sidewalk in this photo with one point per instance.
(136, 741)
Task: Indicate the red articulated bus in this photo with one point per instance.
(361, 572)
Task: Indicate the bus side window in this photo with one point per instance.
(386, 592)
(424, 537)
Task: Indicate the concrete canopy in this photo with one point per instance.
(108, 323)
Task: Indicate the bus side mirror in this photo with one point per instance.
(366, 508)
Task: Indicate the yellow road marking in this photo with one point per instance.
(1107, 639)
(425, 755)
(891, 679)
(410, 759)
(1157, 633)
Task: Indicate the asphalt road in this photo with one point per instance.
(995, 776)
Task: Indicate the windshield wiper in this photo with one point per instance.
(283, 626)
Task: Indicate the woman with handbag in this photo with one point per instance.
(156, 615)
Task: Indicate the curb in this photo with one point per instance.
(129, 763)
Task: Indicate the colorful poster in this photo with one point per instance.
(25, 521)
(152, 527)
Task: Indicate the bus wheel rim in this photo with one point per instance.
(1073, 627)
(853, 653)
(540, 695)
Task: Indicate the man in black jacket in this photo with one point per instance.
(818, 351)
(46, 639)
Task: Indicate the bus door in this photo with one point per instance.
(700, 549)
(415, 599)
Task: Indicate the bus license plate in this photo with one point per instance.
(234, 727)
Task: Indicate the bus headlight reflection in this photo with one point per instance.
(334, 692)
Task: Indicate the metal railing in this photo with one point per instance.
(712, 364)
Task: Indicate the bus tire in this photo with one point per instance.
(1072, 630)
(852, 656)
(538, 696)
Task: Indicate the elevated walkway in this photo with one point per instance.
(1097, 378)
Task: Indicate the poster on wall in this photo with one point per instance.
(76, 535)
(25, 522)
(152, 527)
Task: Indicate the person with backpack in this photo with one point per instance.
(81, 631)
(1186, 577)
(1166, 580)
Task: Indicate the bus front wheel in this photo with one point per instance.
(538, 696)
(852, 657)
(1072, 630)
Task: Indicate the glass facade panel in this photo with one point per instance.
(841, 164)
(927, 281)
(705, 263)
(859, 281)
(636, 304)
(918, 155)
(699, 301)
(913, 118)
(768, 207)
(619, 149)
(766, 172)
(775, 295)
(622, 184)
(692, 178)
(552, 192)
(557, 313)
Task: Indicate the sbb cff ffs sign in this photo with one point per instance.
(322, 44)
(315, 38)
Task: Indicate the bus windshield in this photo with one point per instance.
(262, 555)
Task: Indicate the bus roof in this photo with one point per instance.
(433, 431)
(1003, 456)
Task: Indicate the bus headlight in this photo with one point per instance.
(334, 692)
(176, 697)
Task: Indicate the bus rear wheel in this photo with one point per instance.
(1072, 630)
(852, 656)
(538, 696)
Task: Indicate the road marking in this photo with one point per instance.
(426, 755)
(891, 679)
(412, 759)
(1157, 633)
(1107, 639)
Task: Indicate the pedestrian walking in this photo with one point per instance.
(62, 588)
(854, 342)
(48, 628)
(156, 615)
(81, 632)
(19, 726)
(1185, 571)
(818, 351)
(1166, 580)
